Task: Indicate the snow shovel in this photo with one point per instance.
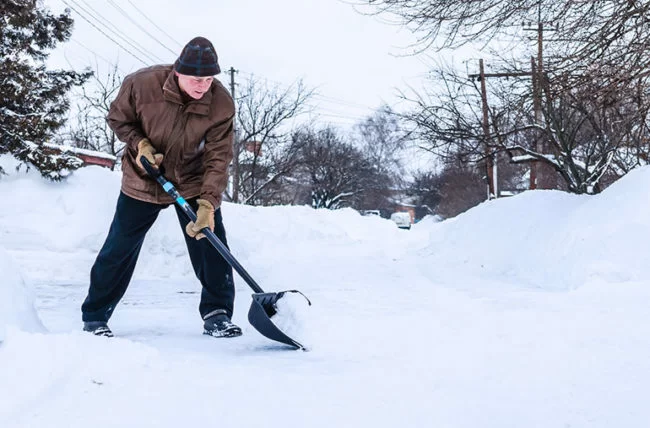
(263, 306)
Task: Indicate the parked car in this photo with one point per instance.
(402, 220)
(371, 212)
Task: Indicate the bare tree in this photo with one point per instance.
(425, 189)
(271, 176)
(446, 24)
(460, 189)
(583, 111)
(335, 173)
(586, 29)
(446, 119)
(590, 126)
(382, 141)
(600, 40)
(264, 151)
(91, 130)
(584, 129)
(449, 192)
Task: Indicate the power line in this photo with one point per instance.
(343, 102)
(336, 116)
(334, 113)
(316, 95)
(116, 31)
(325, 111)
(275, 82)
(120, 33)
(328, 112)
(102, 31)
(317, 112)
(155, 25)
(142, 28)
(111, 63)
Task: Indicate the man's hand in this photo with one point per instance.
(146, 149)
(204, 218)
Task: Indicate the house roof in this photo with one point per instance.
(76, 150)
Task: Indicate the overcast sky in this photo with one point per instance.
(355, 62)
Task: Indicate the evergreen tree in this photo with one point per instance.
(33, 100)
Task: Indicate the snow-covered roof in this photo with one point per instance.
(77, 150)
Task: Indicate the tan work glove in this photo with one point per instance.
(146, 149)
(204, 218)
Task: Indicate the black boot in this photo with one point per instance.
(217, 323)
(98, 328)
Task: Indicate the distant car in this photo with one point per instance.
(371, 212)
(402, 220)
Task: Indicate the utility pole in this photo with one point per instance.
(537, 68)
(490, 160)
(537, 107)
(537, 73)
(232, 72)
(233, 181)
(490, 164)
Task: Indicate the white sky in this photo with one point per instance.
(355, 62)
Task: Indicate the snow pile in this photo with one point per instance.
(550, 239)
(292, 318)
(546, 239)
(75, 215)
(16, 300)
(608, 236)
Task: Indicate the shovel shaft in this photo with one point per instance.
(210, 236)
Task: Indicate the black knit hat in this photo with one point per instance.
(198, 58)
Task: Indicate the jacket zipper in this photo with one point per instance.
(175, 136)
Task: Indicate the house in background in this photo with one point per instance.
(409, 205)
(88, 157)
(403, 207)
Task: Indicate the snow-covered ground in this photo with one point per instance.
(528, 312)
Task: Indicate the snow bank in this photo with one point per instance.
(74, 217)
(16, 300)
(546, 239)
(551, 239)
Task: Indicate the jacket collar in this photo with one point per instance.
(172, 93)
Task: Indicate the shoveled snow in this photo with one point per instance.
(292, 318)
(530, 311)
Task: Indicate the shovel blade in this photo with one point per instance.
(259, 316)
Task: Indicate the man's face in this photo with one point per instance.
(194, 86)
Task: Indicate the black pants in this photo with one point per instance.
(115, 263)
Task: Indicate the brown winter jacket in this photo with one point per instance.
(196, 137)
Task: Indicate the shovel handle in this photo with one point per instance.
(210, 235)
